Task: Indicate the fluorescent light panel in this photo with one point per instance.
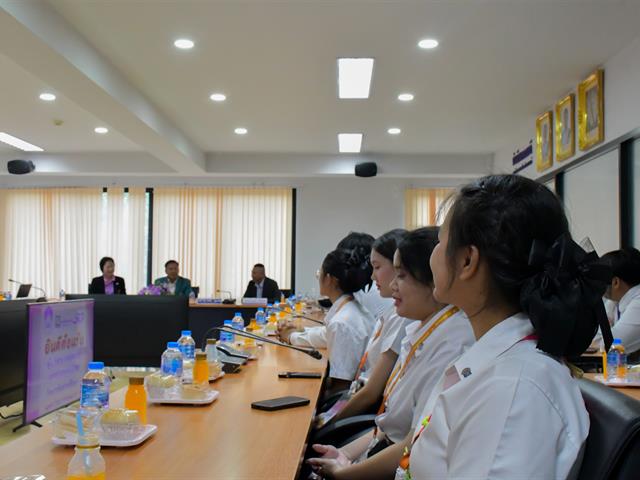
(349, 142)
(354, 77)
(18, 143)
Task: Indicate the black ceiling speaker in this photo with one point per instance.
(20, 167)
(367, 169)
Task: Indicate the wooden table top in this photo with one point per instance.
(222, 305)
(633, 392)
(225, 440)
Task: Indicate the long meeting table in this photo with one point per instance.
(225, 440)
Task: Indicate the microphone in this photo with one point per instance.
(311, 352)
(229, 300)
(32, 286)
(297, 315)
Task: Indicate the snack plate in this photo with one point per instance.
(213, 394)
(618, 383)
(71, 439)
(213, 379)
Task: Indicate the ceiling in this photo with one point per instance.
(499, 63)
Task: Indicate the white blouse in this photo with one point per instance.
(445, 344)
(503, 410)
(347, 333)
(387, 334)
(627, 320)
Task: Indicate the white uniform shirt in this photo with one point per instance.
(370, 299)
(347, 333)
(627, 320)
(445, 344)
(316, 337)
(515, 412)
(391, 328)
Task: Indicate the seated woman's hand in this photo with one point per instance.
(284, 332)
(331, 461)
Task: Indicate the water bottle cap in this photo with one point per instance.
(172, 344)
(186, 333)
(269, 305)
(228, 322)
(617, 341)
(238, 314)
(96, 365)
(261, 309)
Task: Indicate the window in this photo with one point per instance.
(425, 206)
(218, 234)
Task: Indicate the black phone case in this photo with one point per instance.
(280, 403)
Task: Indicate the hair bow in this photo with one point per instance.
(564, 296)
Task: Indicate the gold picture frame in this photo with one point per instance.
(544, 141)
(565, 128)
(591, 110)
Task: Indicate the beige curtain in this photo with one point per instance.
(217, 234)
(123, 235)
(425, 206)
(54, 238)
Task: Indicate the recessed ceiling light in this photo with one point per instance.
(18, 143)
(241, 131)
(349, 142)
(218, 97)
(394, 131)
(47, 97)
(354, 77)
(101, 130)
(184, 43)
(428, 43)
(405, 97)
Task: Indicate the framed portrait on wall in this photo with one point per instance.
(591, 110)
(565, 128)
(544, 141)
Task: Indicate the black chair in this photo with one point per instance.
(341, 432)
(196, 291)
(613, 445)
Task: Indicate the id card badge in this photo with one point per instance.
(402, 474)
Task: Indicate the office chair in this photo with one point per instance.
(613, 445)
(196, 291)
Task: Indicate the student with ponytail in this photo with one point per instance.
(509, 407)
(347, 323)
(436, 335)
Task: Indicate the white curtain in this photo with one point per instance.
(54, 238)
(123, 235)
(425, 207)
(218, 234)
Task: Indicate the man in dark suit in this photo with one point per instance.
(261, 286)
(107, 283)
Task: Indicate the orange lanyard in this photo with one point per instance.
(363, 360)
(399, 371)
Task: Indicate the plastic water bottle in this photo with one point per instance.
(95, 387)
(269, 309)
(617, 361)
(171, 363)
(226, 337)
(238, 324)
(261, 318)
(187, 345)
(62, 295)
(87, 462)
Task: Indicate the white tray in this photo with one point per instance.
(187, 401)
(213, 379)
(71, 439)
(618, 383)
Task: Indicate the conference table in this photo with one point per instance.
(225, 440)
(633, 392)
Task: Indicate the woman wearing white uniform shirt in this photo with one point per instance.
(508, 407)
(347, 322)
(384, 343)
(625, 290)
(437, 336)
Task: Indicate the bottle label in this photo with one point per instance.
(172, 366)
(92, 394)
(188, 351)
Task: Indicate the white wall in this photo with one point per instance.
(621, 108)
